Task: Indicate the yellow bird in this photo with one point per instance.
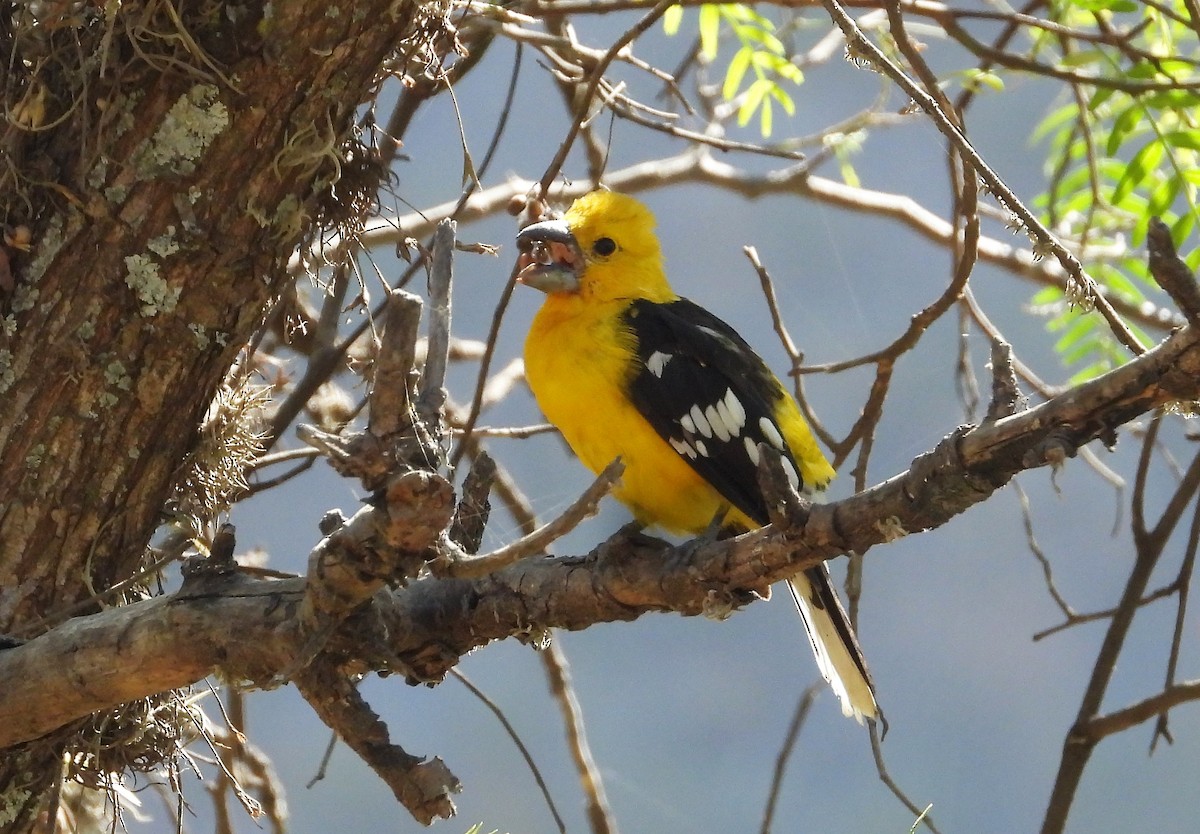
(626, 368)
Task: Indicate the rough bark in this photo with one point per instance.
(161, 207)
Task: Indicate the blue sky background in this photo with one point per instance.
(686, 715)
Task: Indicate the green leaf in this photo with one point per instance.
(978, 79)
(764, 116)
(1163, 196)
(1046, 295)
(736, 72)
(748, 34)
(1101, 5)
(1171, 100)
(1076, 330)
(671, 19)
(1064, 114)
(849, 175)
(1122, 286)
(754, 96)
(1181, 229)
(1098, 98)
(1143, 162)
(1123, 126)
(1082, 58)
(1083, 350)
(710, 31)
(1189, 139)
(785, 101)
(1091, 372)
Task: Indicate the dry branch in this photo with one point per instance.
(245, 626)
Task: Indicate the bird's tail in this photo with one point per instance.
(838, 654)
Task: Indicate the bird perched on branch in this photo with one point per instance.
(626, 368)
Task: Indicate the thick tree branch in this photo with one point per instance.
(245, 627)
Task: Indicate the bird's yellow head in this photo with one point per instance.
(603, 249)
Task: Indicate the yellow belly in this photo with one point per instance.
(577, 364)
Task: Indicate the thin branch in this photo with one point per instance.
(431, 397)
(463, 566)
(799, 716)
(558, 672)
(516, 739)
(922, 814)
(1182, 584)
(699, 166)
(1128, 717)
(1080, 742)
(861, 46)
(1094, 616)
(589, 94)
(1047, 572)
(485, 365)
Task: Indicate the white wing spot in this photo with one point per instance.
(732, 426)
(736, 411)
(701, 424)
(688, 425)
(751, 449)
(792, 475)
(682, 447)
(771, 433)
(717, 422)
(701, 448)
(657, 363)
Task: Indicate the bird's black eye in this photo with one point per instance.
(604, 246)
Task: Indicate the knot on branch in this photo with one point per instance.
(1005, 393)
(940, 485)
(1052, 450)
(1171, 272)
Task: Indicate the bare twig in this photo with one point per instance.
(785, 751)
(795, 357)
(1171, 272)
(485, 365)
(537, 541)
(424, 787)
(1150, 542)
(558, 672)
(1182, 585)
(922, 814)
(1044, 241)
(432, 395)
(512, 733)
(588, 96)
(391, 392)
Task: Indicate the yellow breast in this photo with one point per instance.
(578, 361)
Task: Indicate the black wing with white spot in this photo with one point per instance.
(708, 394)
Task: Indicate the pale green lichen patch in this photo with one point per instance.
(188, 129)
(200, 332)
(11, 805)
(23, 298)
(165, 244)
(36, 455)
(145, 279)
(116, 375)
(7, 375)
(47, 247)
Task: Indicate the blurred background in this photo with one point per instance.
(685, 716)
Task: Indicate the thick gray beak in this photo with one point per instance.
(550, 258)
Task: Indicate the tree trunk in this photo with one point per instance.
(166, 163)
